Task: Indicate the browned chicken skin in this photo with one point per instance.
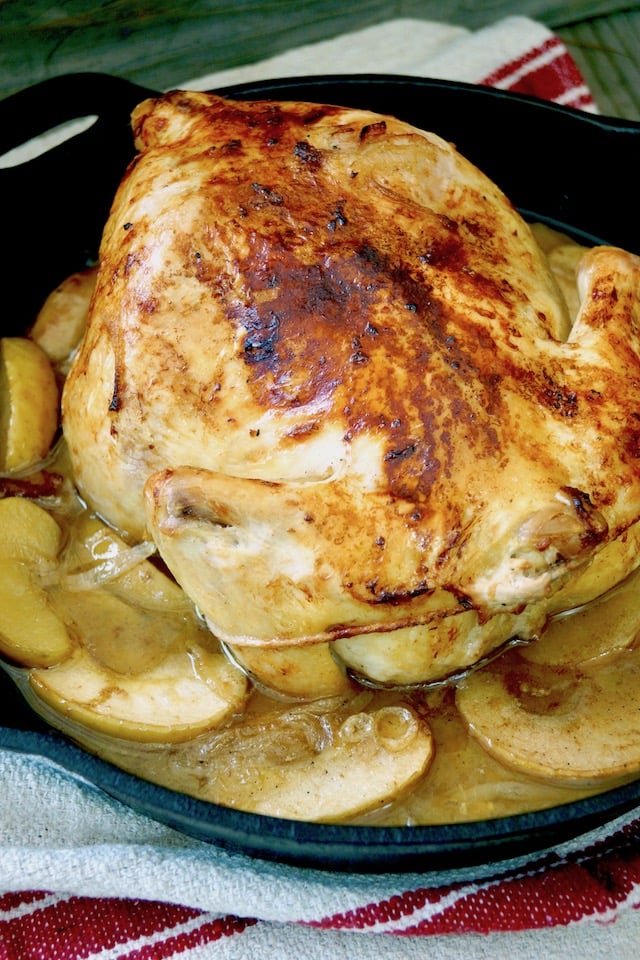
(328, 370)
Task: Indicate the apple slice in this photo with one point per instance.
(188, 692)
(369, 761)
(28, 404)
(28, 532)
(96, 558)
(144, 666)
(123, 652)
(604, 627)
(62, 319)
(303, 673)
(30, 631)
(570, 725)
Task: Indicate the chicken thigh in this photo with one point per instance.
(328, 370)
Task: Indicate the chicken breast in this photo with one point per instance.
(328, 370)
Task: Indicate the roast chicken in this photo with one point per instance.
(329, 372)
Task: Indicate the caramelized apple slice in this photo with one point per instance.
(27, 532)
(62, 318)
(30, 631)
(371, 760)
(28, 404)
(595, 631)
(138, 666)
(187, 692)
(567, 707)
(145, 667)
(570, 725)
(303, 673)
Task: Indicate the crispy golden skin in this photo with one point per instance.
(328, 369)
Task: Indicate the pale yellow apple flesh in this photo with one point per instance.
(31, 633)
(28, 404)
(112, 642)
(375, 758)
(62, 319)
(330, 760)
(604, 627)
(569, 726)
(188, 692)
(302, 673)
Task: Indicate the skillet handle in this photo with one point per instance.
(38, 108)
(55, 204)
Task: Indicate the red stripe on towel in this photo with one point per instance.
(547, 71)
(550, 891)
(36, 924)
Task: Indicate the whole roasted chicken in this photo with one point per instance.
(328, 370)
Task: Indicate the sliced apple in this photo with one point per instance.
(145, 667)
(599, 629)
(188, 692)
(96, 556)
(126, 612)
(62, 319)
(304, 673)
(28, 404)
(563, 255)
(122, 650)
(27, 532)
(609, 567)
(30, 631)
(371, 761)
(560, 723)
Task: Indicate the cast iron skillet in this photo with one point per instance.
(572, 170)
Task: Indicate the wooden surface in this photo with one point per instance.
(607, 50)
(160, 43)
